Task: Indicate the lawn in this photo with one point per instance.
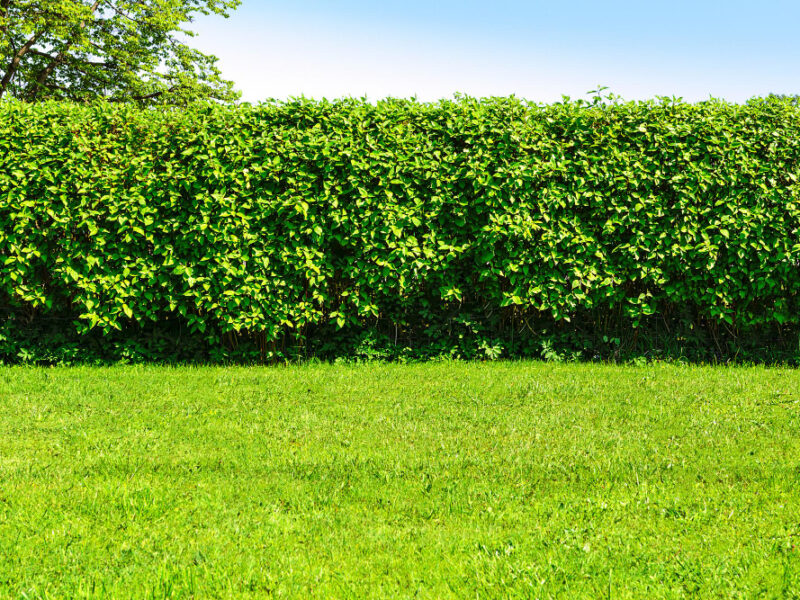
(527, 480)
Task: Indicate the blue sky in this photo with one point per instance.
(536, 50)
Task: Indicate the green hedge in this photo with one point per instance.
(464, 227)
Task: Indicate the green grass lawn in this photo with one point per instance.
(474, 480)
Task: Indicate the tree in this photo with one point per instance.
(118, 50)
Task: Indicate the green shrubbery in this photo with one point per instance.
(471, 228)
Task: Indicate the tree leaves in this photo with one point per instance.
(117, 50)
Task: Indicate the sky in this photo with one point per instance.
(536, 50)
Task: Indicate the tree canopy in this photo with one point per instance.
(118, 50)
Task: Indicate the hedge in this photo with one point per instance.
(464, 227)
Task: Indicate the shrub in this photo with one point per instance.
(466, 228)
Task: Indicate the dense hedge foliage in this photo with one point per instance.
(463, 227)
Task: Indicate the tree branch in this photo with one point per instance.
(146, 97)
(122, 13)
(91, 63)
(12, 68)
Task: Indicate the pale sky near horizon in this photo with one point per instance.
(536, 50)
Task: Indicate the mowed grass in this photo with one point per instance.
(524, 480)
